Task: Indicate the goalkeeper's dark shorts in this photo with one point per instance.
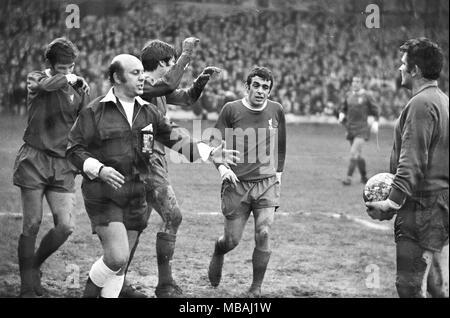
(240, 199)
(424, 220)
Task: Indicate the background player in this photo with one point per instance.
(357, 108)
(55, 97)
(257, 126)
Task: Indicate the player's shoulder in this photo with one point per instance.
(232, 105)
(273, 105)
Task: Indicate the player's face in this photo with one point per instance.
(64, 69)
(134, 78)
(167, 66)
(406, 75)
(356, 84)
(258, 91)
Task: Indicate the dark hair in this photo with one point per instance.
(424, 53)
(154, 52)
(116, 67)
(61, 50)
(262, 72)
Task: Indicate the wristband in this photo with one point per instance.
(100, 169)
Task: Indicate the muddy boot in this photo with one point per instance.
(165, 246)
(26, 256)
(91, 290)
(260, 260)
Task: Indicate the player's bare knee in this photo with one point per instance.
(31, 228)
(262, 236)
(231, 242)
(65, 228)
(176, 218)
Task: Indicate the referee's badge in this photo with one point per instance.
(147, 139)
(71, 97)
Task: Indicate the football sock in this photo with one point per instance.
(351, 167)
(26, 254)
(362, 167)
(112, 287)
(100, 273)
(49, 244)
(260, 260)
(165, 246)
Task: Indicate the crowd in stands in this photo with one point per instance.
(313, 55)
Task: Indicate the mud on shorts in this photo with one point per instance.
(126, 205)
(424, 220)
(34, 169)
(245, 196)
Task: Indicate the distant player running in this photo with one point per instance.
(255, 126)
(357, 108)
(55, 97)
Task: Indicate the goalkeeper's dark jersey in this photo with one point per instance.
(259, 135)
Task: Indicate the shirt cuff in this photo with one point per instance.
(204, 151)
(91, 166)
(397, 196)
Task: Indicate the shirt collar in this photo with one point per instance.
(110, 97)
(425, 86)
(246, 104)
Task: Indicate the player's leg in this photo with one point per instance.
(438, 276)
(359, 144)
(32, 218)
(412, 270)
(104, 276)
(236, 210)
(233, 230)
(165, 203)
(261, 254)
(352, 163)
(61, 204)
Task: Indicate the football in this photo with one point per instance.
(378, 187)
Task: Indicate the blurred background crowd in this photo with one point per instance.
(313, 47)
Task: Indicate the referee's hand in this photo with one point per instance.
(112, 177)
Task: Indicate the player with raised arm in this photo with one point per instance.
(256, 126)
(110, 143)
(55, 97)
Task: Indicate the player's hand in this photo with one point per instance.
(211, 70)
(71, 79)
(84, 85)
(381, 210)
(374, 127)
(189, 45)
(112, 177)
(226, 174)
(220, 155)
(278, 175)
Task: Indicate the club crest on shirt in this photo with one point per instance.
(71, 97)
(360, 100)
(271, 124)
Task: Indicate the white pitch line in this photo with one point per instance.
(363, 222)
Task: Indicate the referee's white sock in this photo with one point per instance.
(113, 286)
(100, 274)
